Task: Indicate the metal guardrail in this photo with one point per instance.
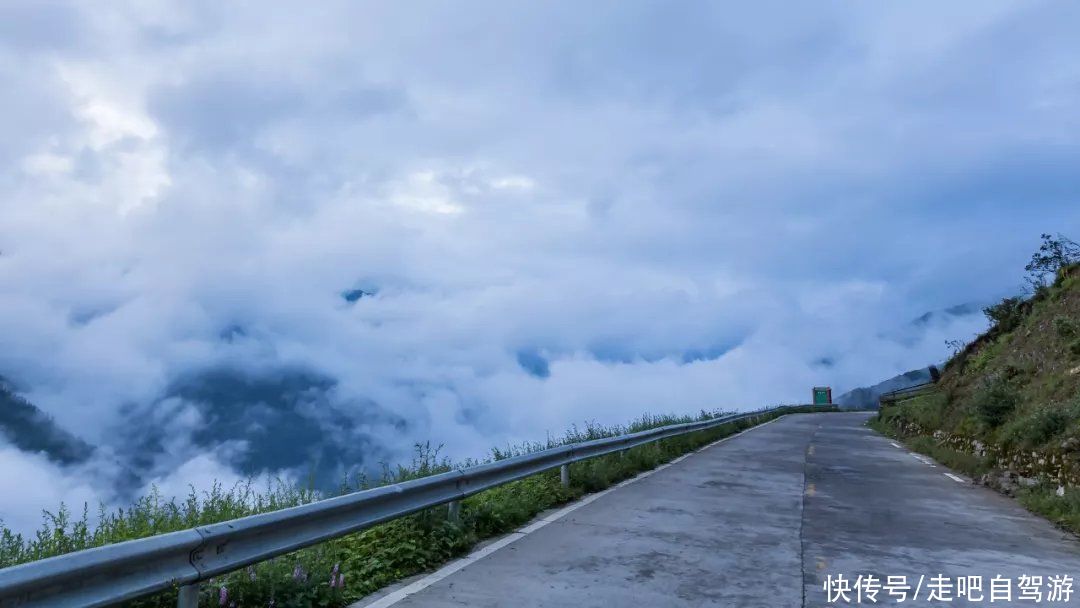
(901, 394)
(138, 568)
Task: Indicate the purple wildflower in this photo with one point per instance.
(223, 596)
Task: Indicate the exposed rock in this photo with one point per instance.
(1060, 491)
(1060, 466)
(1002, 481)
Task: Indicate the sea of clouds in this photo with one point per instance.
(252, 238)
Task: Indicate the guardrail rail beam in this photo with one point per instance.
(104, 576)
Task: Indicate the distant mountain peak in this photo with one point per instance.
(353, 295)
(957, 310)
(867, 396)
(28, 428)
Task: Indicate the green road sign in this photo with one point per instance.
(822, 395)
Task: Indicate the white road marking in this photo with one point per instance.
(396, 596)
(895, 445)
(927, 461)
(923, 459)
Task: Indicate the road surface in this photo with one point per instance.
(763, 519)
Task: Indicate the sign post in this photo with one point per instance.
(822, 396)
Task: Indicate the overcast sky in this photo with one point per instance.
(558, 211)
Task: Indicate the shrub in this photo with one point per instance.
(994, 403)
(1065, 327)
(1039, 427)
(1055, 254)
(1007, 314)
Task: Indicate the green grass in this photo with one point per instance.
(968, 464)
(1042, 499)
(1019, 371)
(376, 557)
(1041, 426)
(1062, 510)
(925, 410)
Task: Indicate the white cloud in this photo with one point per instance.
(31, 484)
(650, 211)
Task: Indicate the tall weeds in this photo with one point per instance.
(336, 572)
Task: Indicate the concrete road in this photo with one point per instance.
(763, 519)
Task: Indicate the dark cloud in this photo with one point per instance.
(534, 363)
(354, 295)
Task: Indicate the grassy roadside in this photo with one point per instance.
(1006, 409)
(337, 572)
(1061, 507)
(969, 464)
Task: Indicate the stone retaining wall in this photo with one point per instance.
(1011, 468)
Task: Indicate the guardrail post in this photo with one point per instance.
(188, 597)
(564, 475)
(453, 511)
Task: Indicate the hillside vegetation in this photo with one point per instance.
(1007, 407)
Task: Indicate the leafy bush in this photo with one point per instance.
(1007, 314)
(1065, 327)
(1039, 427)
(994, 403)
(1055, 254)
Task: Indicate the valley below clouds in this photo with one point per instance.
(249, 240)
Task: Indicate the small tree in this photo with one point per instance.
(1007, 314)
(1054, 254)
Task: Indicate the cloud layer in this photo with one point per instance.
(479, 224)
